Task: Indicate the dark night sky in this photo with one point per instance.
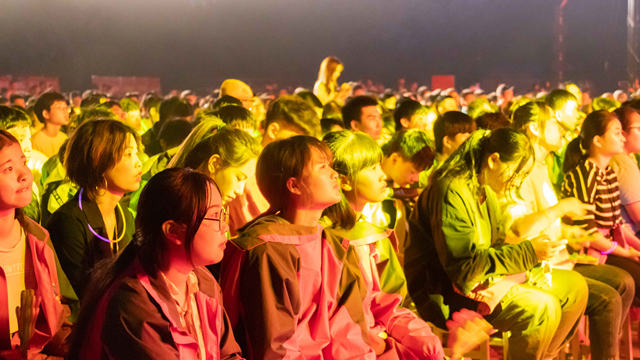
(197, 43)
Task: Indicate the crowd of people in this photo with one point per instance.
(332, 223)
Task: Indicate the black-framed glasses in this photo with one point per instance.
(223, 218)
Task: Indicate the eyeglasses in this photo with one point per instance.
(223, 219)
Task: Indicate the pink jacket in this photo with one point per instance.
(407, 336)
(40, 275)
(290, 294)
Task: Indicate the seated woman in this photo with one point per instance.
(590, 179)
(102, 159)
(288, 290)
(457, 255)
(156, 300)
(228, 156)
(357, 159)
(30, 310)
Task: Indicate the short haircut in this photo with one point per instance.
(352, 110)
(534, 111)
(173, 132)
(327, 123)
(450, 124)
(234, 115)
(406, 109)
(558, 98)
(412, 145)
(225, 100)
(293, 111)
(172, 108)
(45, 101)
(94, 148)
(492, 121)
(13, 116)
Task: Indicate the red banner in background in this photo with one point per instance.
(119, 85)
(443, 81)
(29, 84)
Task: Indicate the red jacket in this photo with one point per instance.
(42, 276)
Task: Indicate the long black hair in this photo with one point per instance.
(467, 160)
(176, 194)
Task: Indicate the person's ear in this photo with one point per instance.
(493, 161)
(355, 125)
(404, 122)
(214, 164)
(394, 158)
(446, 144)
(45, 114)
(534, 128)
(272, 131)
(174, 232)
(597, 141)
(345, 183)
(293, 185)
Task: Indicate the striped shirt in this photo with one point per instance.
(592, 185)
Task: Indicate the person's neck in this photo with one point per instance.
(442, 157)
(177, 272)
(602, 161)
(540, 151)
(107, 202)
(356, 204)
(302, 216)
(51, 130)
(7, 224)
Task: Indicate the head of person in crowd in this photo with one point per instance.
(132, 115)
(225, 100)
(18, 99)
(357, 160)
(228, 156)
(102, 157)
(239, 90)
(330, 70)
(630, 121)
(52, 109)
(408, 153)
(331, 124)
(311, 99)
(601, 137)
(115, 108)
(575, 90)
(446, 103)
(15, 177)
(150, 107)
(208, 126)
(492, 121)
(17, 123)
(450, 131)
(565, 108)
(481, 106)
(173, 132)
(361, 113)
(174, 108)
(238, 117)
(305, 180)
(604, 103)
(92, 99)
(88, 114)
(467, 97)
(289, 116)
(410, 114)
(181, 224)
(500, 159)
(190, 97)
(536, 120)
(389, 100)
(332, 110)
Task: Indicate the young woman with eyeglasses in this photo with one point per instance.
(156, 300)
